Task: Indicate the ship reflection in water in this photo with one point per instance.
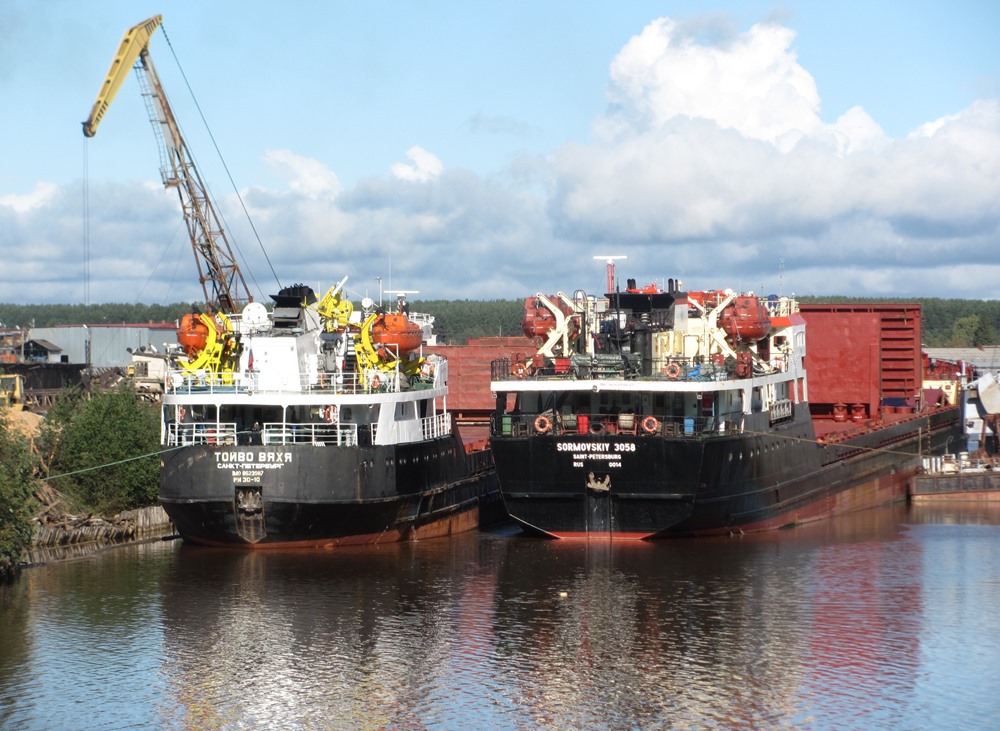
(886, 619)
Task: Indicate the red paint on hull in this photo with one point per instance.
(447, 525)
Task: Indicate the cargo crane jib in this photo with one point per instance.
(223, 284)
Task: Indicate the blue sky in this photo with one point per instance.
(490, 150)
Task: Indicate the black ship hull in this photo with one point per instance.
(647, 486)
(300, 495)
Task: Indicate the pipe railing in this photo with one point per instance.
(547, 422)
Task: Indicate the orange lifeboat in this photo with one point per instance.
(539, 321)
(394, 334)
(648, 289)
(192, 335)
(745, 319)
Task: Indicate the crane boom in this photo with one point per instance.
(133, 42)
(220, 276)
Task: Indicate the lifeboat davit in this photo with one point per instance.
(745, 319)
(395, 334)
(192, 334)
(707, 299)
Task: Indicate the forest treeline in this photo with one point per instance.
(946, 322)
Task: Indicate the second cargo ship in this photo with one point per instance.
(649, 412)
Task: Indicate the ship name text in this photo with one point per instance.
(226, 459)
(592, 447)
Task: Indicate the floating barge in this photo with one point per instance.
(949, 478)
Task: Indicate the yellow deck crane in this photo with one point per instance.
(220, 276)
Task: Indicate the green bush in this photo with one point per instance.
(17, 501)
(103, 449)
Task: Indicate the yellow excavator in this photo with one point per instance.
(12, 391)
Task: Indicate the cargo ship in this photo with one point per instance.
(315, 423)
(656, 411)
(312, 423)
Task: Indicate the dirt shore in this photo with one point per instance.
(25, 422)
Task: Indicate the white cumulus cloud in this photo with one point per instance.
(42, 194)
(423, 166)
(304, 175)
(751, 82)
(707, 149)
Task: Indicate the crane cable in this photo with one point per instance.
(224, 165)
(86, 224)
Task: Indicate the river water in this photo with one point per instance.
(889, 619)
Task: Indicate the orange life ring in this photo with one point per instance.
(542, 424)
(650, 425)
(673, 370)
(330, 414)
(376, 383)
(181, 413)
(519, 370)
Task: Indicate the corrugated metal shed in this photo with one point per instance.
(984, 358)
(108, 344)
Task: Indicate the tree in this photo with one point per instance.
(969, 331)
(17, 502)
(104, 449)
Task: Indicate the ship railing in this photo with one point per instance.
(630, 424)
(617, 367)
(184, 382)
(338, 435)
(324, 382)
(189, 433)
(435, 426)
(351, 383)
(223, 434)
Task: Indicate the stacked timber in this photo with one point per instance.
(57, 529)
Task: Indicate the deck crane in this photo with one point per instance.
(220, 276)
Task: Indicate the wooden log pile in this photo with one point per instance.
(56, 527)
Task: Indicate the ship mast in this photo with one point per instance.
(610, 269)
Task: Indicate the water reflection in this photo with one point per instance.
(877, 621)
(717, 632)
(71, 632)
(382, 637)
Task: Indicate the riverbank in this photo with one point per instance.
(58, 533)
(60, 536)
